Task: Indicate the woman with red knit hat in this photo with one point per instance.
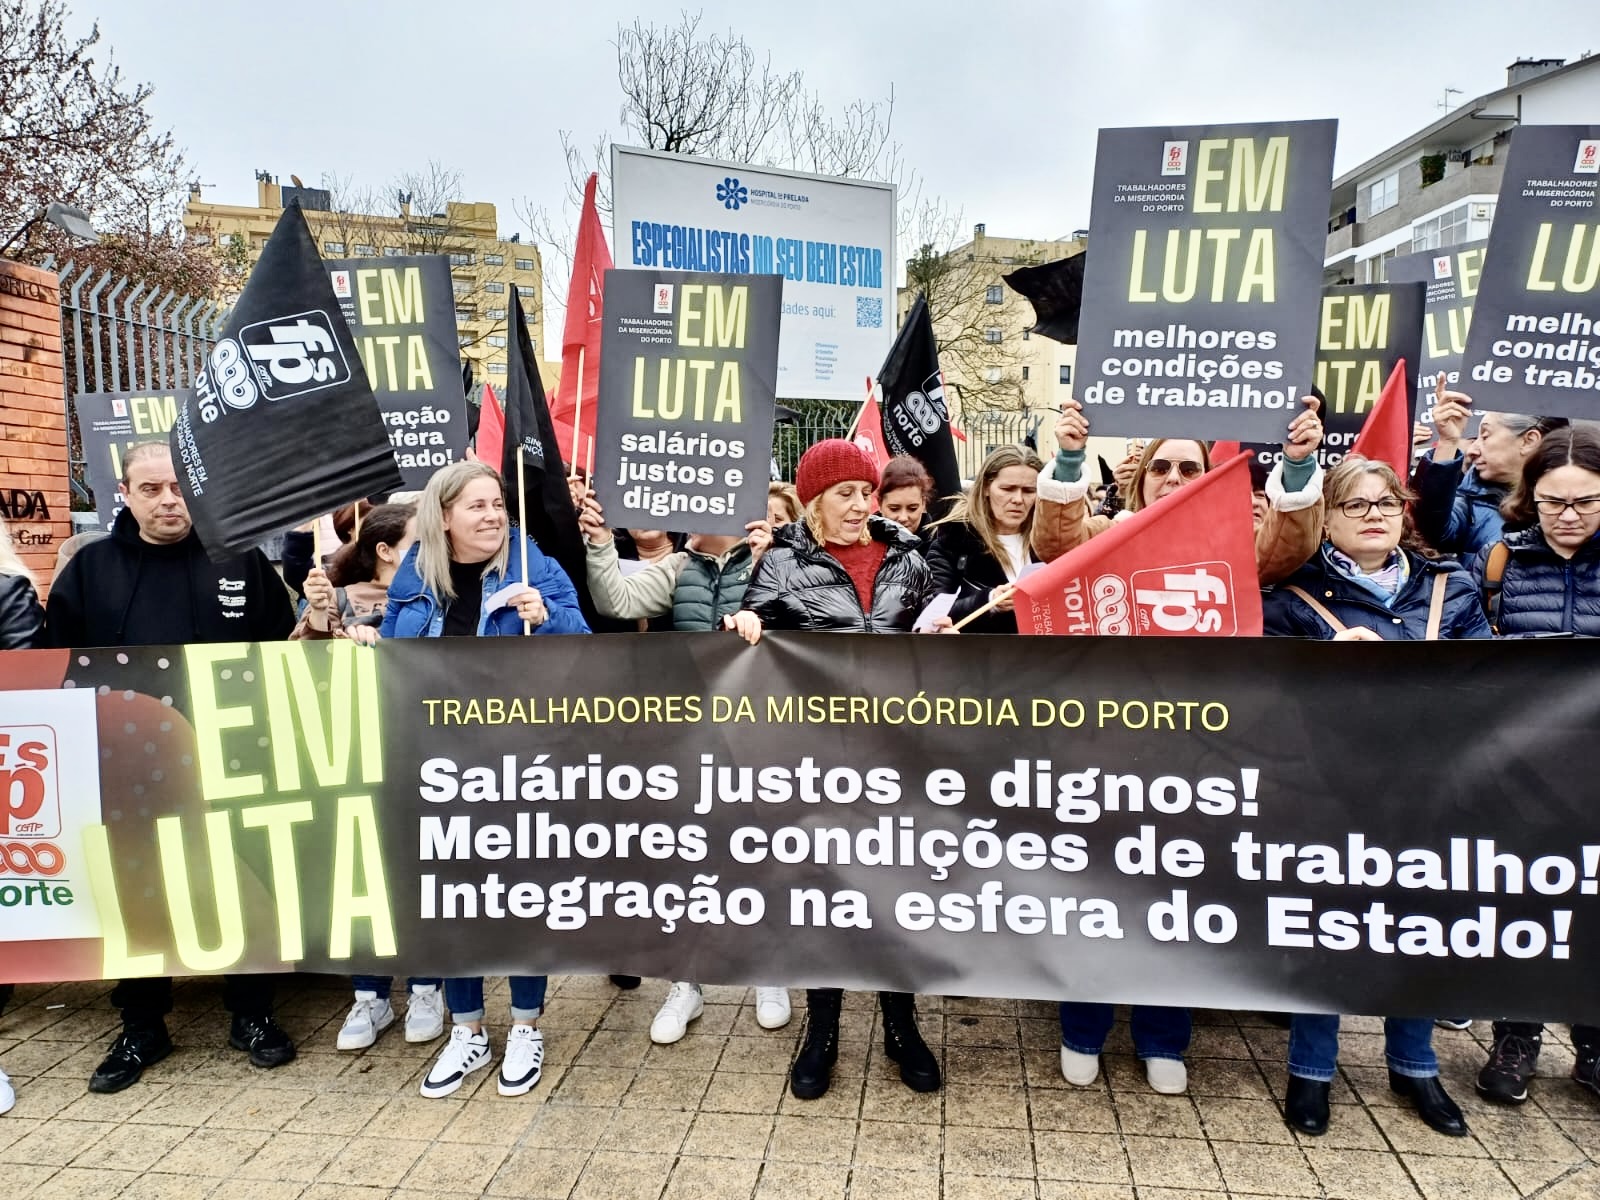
(842, 568)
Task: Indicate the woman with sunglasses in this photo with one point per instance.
(1544, 578)
(1285, 538)
(1370, 582)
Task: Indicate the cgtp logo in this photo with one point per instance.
(1174, 158)
(1195, 598)
(732, 194)
(1112, 615)
(1441, 267)
(294, 354)
(1588, 160)
(30, 801)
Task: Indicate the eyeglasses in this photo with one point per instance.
(1162, 467)
(1389, 506)
(1584, 506)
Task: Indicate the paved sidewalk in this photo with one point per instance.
(710, 1119)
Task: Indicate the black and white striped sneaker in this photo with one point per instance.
(466, 1052)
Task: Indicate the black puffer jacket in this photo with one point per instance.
(1541, 592)
(962, 564)
(799, 585)
(21, 618)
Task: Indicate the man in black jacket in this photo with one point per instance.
(151, 584)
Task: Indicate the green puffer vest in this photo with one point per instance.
(706, 593)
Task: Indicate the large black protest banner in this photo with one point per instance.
(108, 424)
(688, 380)
(281, 425)
(402, 313)
(1160, 823)
(1201, 295)
(1535, 340)
(1452, 275)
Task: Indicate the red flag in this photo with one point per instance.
(869, 430)
(1221, 452)
(1386, 433)
(1184, 567)
(491, 430)
(591, 259)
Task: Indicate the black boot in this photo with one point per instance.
(812, 1071)
(1433, 1105)
(1305, 1107)
(902, 1042)
(626, 982)
(135, 1049)
(267, 1042)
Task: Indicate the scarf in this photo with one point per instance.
(1384, 583)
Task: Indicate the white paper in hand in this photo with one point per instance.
(938, 607)
(505, 596)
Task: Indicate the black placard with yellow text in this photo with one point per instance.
(108, 424)
(1451, 276)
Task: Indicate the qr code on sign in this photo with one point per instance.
(869, 312)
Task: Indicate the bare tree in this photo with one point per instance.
(72, 129)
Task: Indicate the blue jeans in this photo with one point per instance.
(1157, 1032)
(1314, 1046)
(464, 998)
(382, 985)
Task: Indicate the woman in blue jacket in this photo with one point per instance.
(1367, 584)
(464, 555)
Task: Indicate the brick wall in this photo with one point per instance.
(33, 428)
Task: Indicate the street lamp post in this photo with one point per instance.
(66, 217)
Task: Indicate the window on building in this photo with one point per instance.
(497, 288)
(392, 251)
(494, 260)
(464, 339)
(1377, 267)
(497, 340)
(1446, 229)
(1025, 334)
(459, 259)
(996, 294)
(200, 239)
(365, 251)
(1383, 194)
(524, 291)
(461, 286)
(1066, 372)
(496, 314)
(992, 374)
(524, 264)
(1024, 374)
(497, 368)
(333, 247)
(992, 335)
(465, 314)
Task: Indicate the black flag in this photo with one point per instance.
(281, 425)
(1055, 289)
(916, 420)
(552, 521)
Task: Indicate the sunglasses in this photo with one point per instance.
(1162, 467)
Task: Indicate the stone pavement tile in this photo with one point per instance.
(1521, 1133)
(1270, 1044)
(1040, 1035)
(412, 1117)
(258, 1109)
(1265, 1170)
(594, 1086)
(1406, 1133)
(1173, 1162)
(373, 1161)
(965, 1065)
(1529, 1177)
(1082, 1110)
(1042, 1068)
(118, 1106)
(808, 1139)
(1442, 1178)
(692, 1053)
(538, 1174)
(612, 1175)
(1371, 1086)
(218, 1152)
(746, 1024)
(181, 1104)
(715, 1020)
(556, 1128)
(28, 1021)
(974, 1151)
(1580, 1185)
(14, 1128)
(172, 1187)
(55, 1143)
(843, 1099)
(1350, 1127)
(728, 1135)
(1081, 1157)
(990, 1106)
(258, 1189)
(84, 1183)
(645, 1131)
(367, 1074)
(1217, 1042)
(1257, 1122)
(631, 1014)
(613, 1048)
(337, 1113)
(33, 1058)
(986, 1187)
(802, 1181)
(292, 1156)
(897, 1147)
(1558, 1097)
(579, 1016)
(492, 1120)
(1162, 1193)
(1050, 1189)
(735, 1091)
(659, 1089)
(1155, 1115)
(712, 1179)
(1360, 1174)
(879, 1183)
(458, 1167)
(344, 1191)
(767, 1055)
(1586, 1134)
(971, 1030)
(892, 1101)
(132, 1147)
(43, 1098)
(23, 1180)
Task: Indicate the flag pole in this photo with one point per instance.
(590, 469)
(522, 528)
(856, 424)
(1005, 590)
(577, 411)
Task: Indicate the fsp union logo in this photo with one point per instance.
(1174, 158)
(295, 354)
(30, 801)
(1588, 160)
(732, 194)
(1194, 598)
(1441, 267)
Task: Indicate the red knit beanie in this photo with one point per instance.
(829, 462)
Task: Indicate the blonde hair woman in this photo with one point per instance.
(21, 617)
(981, 549)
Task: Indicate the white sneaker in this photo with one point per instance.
(466, 1052)
(519, 1069)
(425, 1013)
(772, 1007)
(1167, 1075)
(368, 1017)
(682, 1005)
(1080, 1070)
(8, 1094)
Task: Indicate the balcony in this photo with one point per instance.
(1458, 182)
(1342, 240)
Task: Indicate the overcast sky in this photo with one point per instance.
(997, 103)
